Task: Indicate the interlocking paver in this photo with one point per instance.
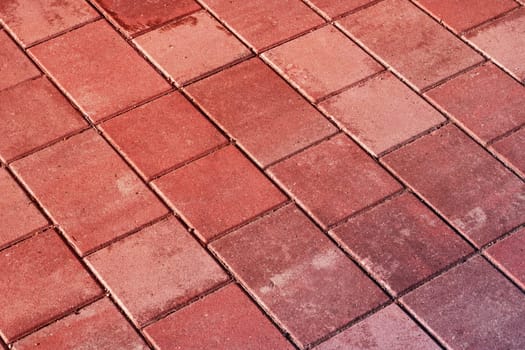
(471, 307)
(401, 242)
(266, 116)
(31, 21)
(464, 14)
(193, 46)
(399, 116)
(88, 190)
(18, 215)
(511, 149)
(83, 63)
(219, 192)
(333, 8)
(485, 101)
(155, 270)
(504, 41)
(474, 192)
(226, 319)
(334, 179)
(298, 275)
(389, 328)
(40, 280)
(97, 326)
(34, 113)
(508, 255)
(136, 16)
(414, 45)
(15, 67)
(322, 62)
(164, 133)
(276, 20)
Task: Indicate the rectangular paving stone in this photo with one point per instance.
(155, 270)
(503, 40)
(191, 47)
(97, 326)
(389, 328)
(309, 286)
(333, 8)
(263, 23)
(18, 215)
(226, 319)
(474, 193)
(471, 307)
(32, 114)
(485, 101)
(88, 190)
(334, 179)
(218, 192)
(83, 64)
(15, 67)
(31, 21)
(401, 242)
(41, 280)
(161, 134)
(511, 149)
(379, 126)
(265, 115)
(133, 16)
(321, 62)
(508, 255)
(406, 39)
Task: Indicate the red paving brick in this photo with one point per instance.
(219, 192)
(504, 41)
(461, 15)
(83, 63)
(322, 62)
(511, 149)
(298, 275)
(401, 115)
(155, 270)
(162, 134)
(32, 21)
(226, 319)
(333, 8)
(40, 281)
(34, 113)
(18, 215)
(135, 16)
(508, 255)
(97, 326)
(334, 179)
(267, 117)
(14, 65)
(88, 190)
(485, 101)
(389, 328)
(191, 47)
(471, 307)
(410, 42)
(277, 20)
(401, 242)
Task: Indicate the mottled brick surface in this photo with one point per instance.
(508, 255)
(511, 149)
(14, 65)
(332, 8)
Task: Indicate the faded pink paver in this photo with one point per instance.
(389, 328)
(15, 67)
(88, 190)
(508, 255)
(225, 319)
(97, 326)
(155, 270)
(511, 149)
(298, 275)
(333, 8)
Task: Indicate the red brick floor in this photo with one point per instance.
(262, 174)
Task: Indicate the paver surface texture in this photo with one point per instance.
(262, 174)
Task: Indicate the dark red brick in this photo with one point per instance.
(254, 105)
(475, 193)
(15, 67)
(219, 192)
(298, 275)
(511, 149)
(88, 190)
(226, 319)
(334, 179)
(471, 307)
(508, 255)
(333, 8)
